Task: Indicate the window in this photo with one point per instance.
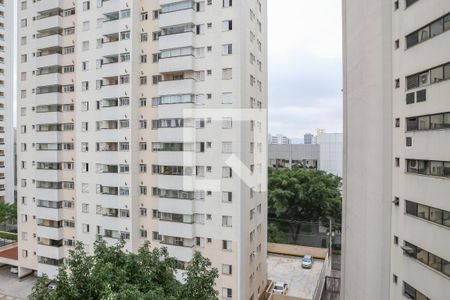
(431, 76)
(408, 3)
(226, 269)
(86, 26)
(226, 245)
(227, 25)
(408, 141)
(143, 124)
(86, 5)
(227, 172)
(124, 213)
(143, 212)
(227, 147)
(227, 49)
(85, 208)
(226, 221)
(427, 258)
(395, 240)
(227, 123)
(227, 73)
(227, 98)
(126, 13)
(227, 197)
(227, 3)
(432, 214)
(227, 293)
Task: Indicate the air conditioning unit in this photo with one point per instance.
(423, 78)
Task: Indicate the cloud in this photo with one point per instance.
(305, 77)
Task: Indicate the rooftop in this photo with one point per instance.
(302, 283)
(284, 264)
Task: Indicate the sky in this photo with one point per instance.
(305, 73)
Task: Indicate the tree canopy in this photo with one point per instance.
(113, 274)
(302, 195)
(8, 213)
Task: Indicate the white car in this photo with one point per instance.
(280, 288)
(307, 262)
(14, 270)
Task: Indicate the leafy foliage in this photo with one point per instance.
(8, 235)
(302, 195)
(8, 213)
(113, 274)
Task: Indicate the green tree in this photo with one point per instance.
(200, 279)
(112, 273)
(8, 213)
(303, 195)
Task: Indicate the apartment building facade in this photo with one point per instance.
(145, 120)
(396, 211)
(7, 95)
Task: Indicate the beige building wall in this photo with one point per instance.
(169, 132)
(396, 163)
(367, 150)
(425, 273)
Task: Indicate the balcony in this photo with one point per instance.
(49, 213)
(54, 40)
(107, 190)
(183, 253)
(54, 59)
(178, 40)
(176, 64)
(172, 87)
(47, 5)
(49, 232)
(50, 248)
(107, 125)
(180, 206)
(110, 69)
(183, 16)
(112, 5)
(110, 212)
(49, 22)
(171, 228)
(50, 78)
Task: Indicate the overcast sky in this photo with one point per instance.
(305, 77)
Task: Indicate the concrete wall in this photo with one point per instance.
(367, 149)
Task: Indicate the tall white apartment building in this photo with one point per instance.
(7, 95)
(145, 120)
(396, 218)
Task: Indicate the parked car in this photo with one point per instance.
(280, 288)
(14, 270)
(307, 262)
(52, 286)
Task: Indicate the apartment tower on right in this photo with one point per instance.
(396, 219)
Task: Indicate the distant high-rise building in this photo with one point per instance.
(279, 139)
(308, 139)
(331, 147)
(326, 155)
(138, 120)
(396, 212)
(7, 99)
